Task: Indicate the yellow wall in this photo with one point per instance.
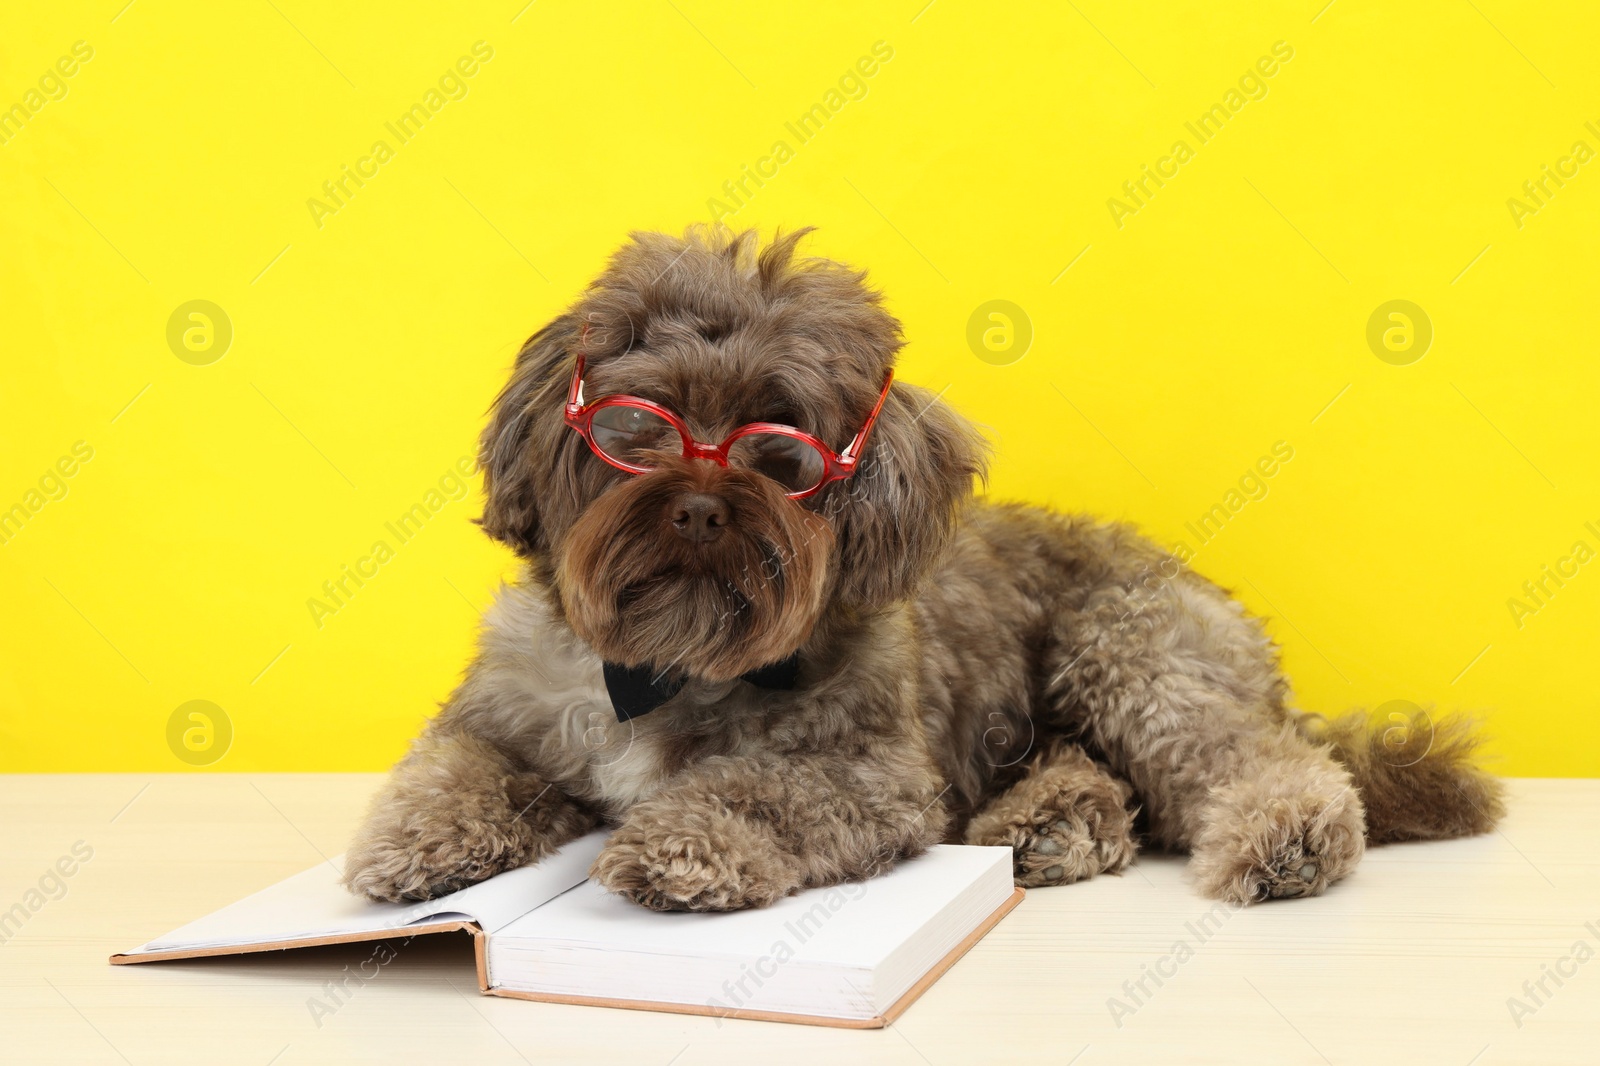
(1173, 346)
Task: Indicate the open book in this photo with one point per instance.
(853, 955)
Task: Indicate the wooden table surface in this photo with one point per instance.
(1422, 957)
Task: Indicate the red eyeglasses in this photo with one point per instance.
(626, 430)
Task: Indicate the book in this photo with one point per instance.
(853, 955)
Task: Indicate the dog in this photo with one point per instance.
(767, 665)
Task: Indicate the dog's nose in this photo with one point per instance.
(699, 517)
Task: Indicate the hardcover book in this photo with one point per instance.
(852, 955)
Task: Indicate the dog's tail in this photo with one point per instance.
(1415, 772)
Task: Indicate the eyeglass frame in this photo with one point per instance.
(836, 465)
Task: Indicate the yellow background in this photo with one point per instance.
(1227, 315)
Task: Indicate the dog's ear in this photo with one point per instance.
(893, 518)
(525, 423)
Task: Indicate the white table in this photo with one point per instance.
(1412, 960)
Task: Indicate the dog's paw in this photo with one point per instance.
(1064, 827)
(1060, 844)
(696, 861)
(446, 853)
(1283, 848)
(1072, 848)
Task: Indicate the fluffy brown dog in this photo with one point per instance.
(965, 671)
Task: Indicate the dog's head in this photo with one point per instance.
(715, 569)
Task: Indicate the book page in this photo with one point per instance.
(314, 904)
(850, 925)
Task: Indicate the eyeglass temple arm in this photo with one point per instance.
(575, 391)
(853, 451)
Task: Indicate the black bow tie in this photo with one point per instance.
(638, 690)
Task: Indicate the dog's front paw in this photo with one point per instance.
(1280, 849)
(696, 861)
(433, 854)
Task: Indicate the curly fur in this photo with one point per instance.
(997, 674)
